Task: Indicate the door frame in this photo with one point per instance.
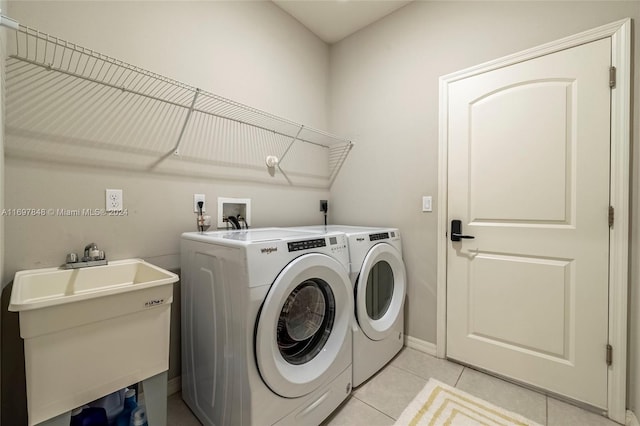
(620, 34)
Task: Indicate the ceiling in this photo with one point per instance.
(333, 20)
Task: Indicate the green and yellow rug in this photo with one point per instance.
(439, 405)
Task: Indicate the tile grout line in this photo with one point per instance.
(354, 395)
(459, 377)
(369, 405)
(409, 371)
(422, 377)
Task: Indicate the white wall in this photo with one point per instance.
(3, 7)
(251, 52)
(384, 94)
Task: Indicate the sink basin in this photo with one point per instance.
(40, 288)
(90, 332)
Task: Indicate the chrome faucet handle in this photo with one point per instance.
(92, 257)
(91, 252)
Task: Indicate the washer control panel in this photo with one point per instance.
(337, 246)
(307, 244)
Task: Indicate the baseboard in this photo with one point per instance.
(632, 420)
(420, 345)
(174, 385)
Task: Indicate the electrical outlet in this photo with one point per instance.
(114, 200)
(196, 198)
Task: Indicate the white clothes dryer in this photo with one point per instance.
(378, 277)
(266, 326)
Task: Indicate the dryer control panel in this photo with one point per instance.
(336, 244)
(306, 244)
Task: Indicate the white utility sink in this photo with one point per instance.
(39, 288)
(91, 331)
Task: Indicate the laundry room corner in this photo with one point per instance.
(218, 49)
(384, 93)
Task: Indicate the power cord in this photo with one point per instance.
(324, 207)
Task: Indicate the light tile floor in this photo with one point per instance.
(380, 401)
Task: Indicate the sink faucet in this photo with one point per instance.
(91, 252)
(92, 257)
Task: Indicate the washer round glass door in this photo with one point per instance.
(380, 291)
(306, 321)
(303, 325)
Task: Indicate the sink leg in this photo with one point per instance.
(62, 420)
(155, 397)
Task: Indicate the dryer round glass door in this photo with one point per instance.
(303, 326)
(380, 291)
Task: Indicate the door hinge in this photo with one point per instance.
(612, 77)
(611, 216)
(609, 354)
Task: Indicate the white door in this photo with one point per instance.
(528, 176)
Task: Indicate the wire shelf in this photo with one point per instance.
(57, 90)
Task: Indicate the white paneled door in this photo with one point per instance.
(528, 178)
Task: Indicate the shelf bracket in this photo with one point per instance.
(340, 161)
(176, 150)
(295, 138)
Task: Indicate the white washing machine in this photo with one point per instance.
(266, 326)
(378, 277)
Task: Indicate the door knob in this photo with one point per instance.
(456, 231)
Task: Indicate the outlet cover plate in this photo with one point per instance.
(427, 203)
(233, 206)
(113, 200)
(196, 198)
